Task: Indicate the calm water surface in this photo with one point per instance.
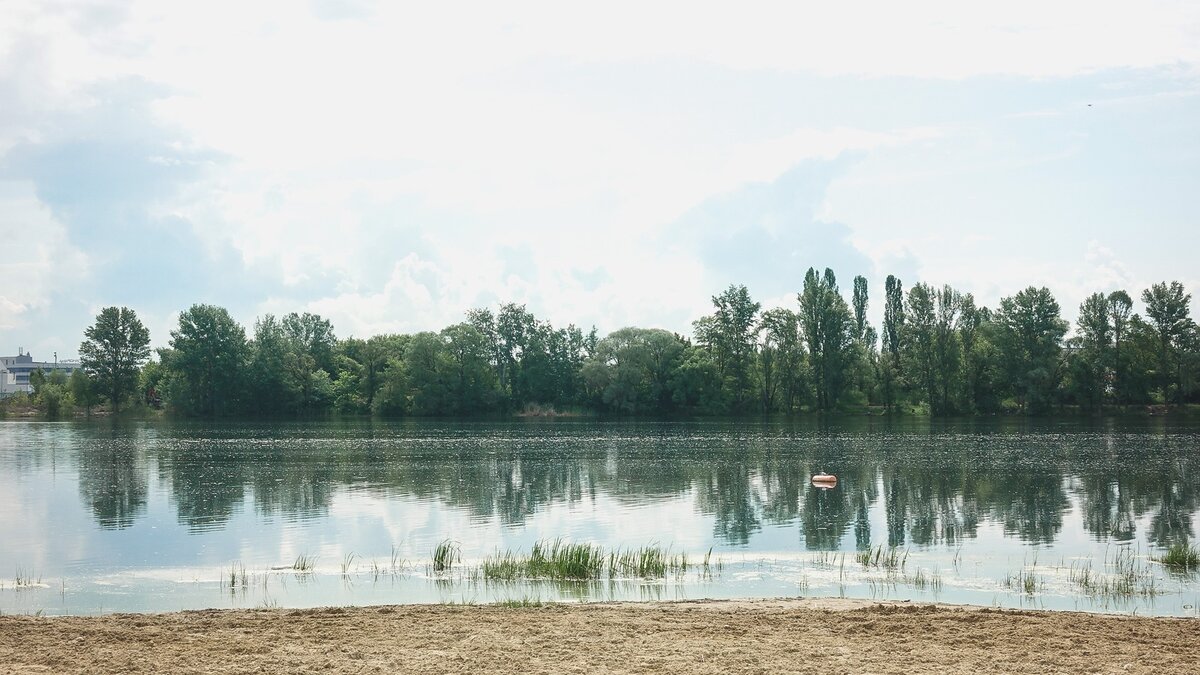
(153, 516)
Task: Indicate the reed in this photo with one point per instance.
(558, 559)
(891, 558)
(1023, 582)
(648, 562)
(1181, 557)
(305, 563)
(1124, 577)
(521, 603)
(922, 580)
(445, 555)
(26, 579)
(237, 577)
(347, 561)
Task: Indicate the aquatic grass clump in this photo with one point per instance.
(445, 555)
(237, 576)
(648, 562)
(1181, 557)
(347, 561)
(526, 601)
(26, 579)
(554, 559)
(562, 560)
(891, 559)
(305, 563)
(1125, 577)
(565, 560)
(922, 580)
(1023, 582)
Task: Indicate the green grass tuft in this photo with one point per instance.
(1181, 558)
(559, 559)
(445, 555)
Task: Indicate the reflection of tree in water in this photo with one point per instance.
(1030, 504)
(1106, 507)
(826, 518)
(932, 488)
(1173, 522)
(783, 481)
(207, 481)
(726, 493)
(1125, 483)
(112, 481)
(292, 485)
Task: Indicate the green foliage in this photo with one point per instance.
(696, 385)
(1030, 339)
(83, 390)
(1181, 557)
(207, 360)
(112, 351)
(781, 360)
(50, 392)
(828, 331)
(936, 353)
(1168, 308)
(729, 335)
(631, 370)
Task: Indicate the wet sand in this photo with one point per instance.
(764, 636)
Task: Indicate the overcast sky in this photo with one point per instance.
(390, 166)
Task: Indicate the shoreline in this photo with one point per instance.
(719, 636)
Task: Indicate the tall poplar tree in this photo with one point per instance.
(828, 329)
(1120, 309)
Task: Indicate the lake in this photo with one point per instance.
(106, 516)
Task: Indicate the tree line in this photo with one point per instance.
(937, 352)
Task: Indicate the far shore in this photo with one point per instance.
(750, 636)
(1187, 411)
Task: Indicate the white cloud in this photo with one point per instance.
(39, 259)
(393, 156)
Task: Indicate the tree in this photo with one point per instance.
(1167, 307)
(729, 334)
(269, 386)
(83, 390)
(947, 347)
(631, 370)
(979, 356)
(780, 330)
(828, 332)
(207, 360)
(860, 306)
(469, 381)
(1094, 358)
(49, 391)
(918, 341)
(1030, 333)
(112, 351)
(893, 326)
(1120, 307)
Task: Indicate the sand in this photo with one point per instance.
(769, 636)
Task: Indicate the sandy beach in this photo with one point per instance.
(694, 637)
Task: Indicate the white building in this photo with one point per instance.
(15, 372)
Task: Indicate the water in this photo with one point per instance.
(154, 516)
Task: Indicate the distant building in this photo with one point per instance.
(15, 372)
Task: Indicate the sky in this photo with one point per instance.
(391, 165)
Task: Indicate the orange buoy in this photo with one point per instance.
(824, 480)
